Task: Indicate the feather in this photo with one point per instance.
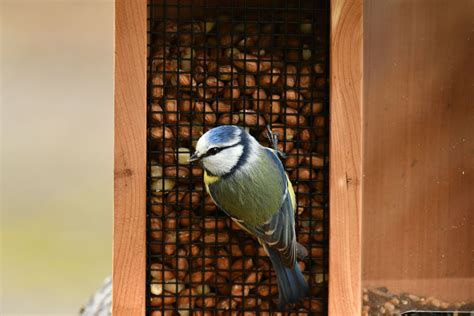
(291, 283)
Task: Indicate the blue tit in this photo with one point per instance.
(249, 183)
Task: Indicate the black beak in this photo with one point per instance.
(194, 157)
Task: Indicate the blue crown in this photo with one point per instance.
(223, 134)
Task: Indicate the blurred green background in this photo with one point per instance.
(56, 153)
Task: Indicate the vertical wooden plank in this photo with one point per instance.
(345, 158)
(130, 158)
(418, 206)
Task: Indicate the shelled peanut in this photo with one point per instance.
(202, 256)
(241, 74)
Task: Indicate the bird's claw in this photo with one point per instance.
(273, 139)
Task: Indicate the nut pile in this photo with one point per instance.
(219, 72)
(380, 302)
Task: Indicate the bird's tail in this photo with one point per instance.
(291, 284)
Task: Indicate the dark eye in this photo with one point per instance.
(213, 151)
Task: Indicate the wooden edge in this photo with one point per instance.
(345, 158)
(129, 262)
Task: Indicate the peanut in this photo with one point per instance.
(162, 313)
(186, 298)
(186, 236)
(247, 83)
(167, 68)
(231, 91)
(269, 78)
(182, 155)
(222, 285)
(246, 62)
(227, 304)
(240, 265)
(175, 197)
(185, 104)
(156, 229)
(319, 68)
(291, 117)
(214, 223)
(204, 113)
(209, 205)
(214, 85)
(187, 56)
(305, 77)
(156, 113)
(211, 238)
(303, 174)
(157, 206)
(173, 286)
(160, 272)
(157, 187)
(259, 97)
(204, 93)
(251, 118)
(157, 88)
(208, 301)
(200, 276)
(290, 76)
(312, 108)
(272, 108)
(221, 106)
(227, 73)
(314, 160)
(192, 198)
(294, 158)
(160, 133)
(199, 73)
(177, 172)
(202, 289)
(182, 79)
(227, 118)
(292, 98)
(160, 300)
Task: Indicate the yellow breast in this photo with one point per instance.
(208, 179)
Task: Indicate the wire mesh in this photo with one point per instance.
(247, 63)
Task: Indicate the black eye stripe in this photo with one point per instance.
(214, 150)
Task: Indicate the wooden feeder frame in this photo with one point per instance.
(355, 124)
(129, 278)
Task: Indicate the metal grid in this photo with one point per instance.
(249, 63)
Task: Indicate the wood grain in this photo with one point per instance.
(345, 158)
(130, 158)
(418, 202)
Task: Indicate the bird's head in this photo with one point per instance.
(221, 149)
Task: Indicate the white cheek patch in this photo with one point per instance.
(223, 162)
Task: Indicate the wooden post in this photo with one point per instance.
(130, 158)
(345, 158)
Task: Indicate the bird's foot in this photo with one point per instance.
(273, 139)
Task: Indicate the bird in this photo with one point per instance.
(100, 304)
(249, 183)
